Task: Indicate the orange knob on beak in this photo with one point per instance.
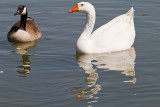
(74, 9)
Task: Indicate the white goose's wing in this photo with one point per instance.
(116, 35)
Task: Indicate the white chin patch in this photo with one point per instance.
(24, 11)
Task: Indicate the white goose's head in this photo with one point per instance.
(84, 7)
(21, 10)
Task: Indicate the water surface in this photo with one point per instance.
(49, 73)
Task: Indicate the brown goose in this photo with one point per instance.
(25, 30)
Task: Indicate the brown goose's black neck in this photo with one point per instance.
(23, 22)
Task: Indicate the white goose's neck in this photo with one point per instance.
(90, 21)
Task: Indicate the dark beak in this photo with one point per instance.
(17, 13)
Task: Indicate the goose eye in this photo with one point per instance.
(82, 4)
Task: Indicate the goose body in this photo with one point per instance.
(24, 30)
(116, 35)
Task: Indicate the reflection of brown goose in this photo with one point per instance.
(24, 30)
(24, 46)
(22, 50)
(26, 65)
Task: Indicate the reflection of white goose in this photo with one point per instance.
(118, 61)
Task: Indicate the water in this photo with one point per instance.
(50, 73)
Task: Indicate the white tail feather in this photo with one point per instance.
(130, 12)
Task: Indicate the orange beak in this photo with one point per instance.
(74, 9)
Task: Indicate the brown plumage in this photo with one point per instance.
(25, 30)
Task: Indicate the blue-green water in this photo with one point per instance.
(50, 73)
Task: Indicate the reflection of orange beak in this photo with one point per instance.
(74, 9)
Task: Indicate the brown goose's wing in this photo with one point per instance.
(31, 27)
(14, 28)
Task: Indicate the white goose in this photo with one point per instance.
(116, 35)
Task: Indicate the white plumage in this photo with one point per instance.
(116, 35)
